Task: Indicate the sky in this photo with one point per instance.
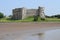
(52, 7)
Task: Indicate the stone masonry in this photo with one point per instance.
(21, 13)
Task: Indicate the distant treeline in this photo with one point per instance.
(53, 16)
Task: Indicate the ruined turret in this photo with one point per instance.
(41, 13)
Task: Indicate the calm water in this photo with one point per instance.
(52, 35)
(49, 35)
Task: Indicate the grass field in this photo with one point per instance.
(30, 19)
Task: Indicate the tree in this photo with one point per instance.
(55, 16)
(35, 18)
(10, 16)
(1, 15)
(58, 16)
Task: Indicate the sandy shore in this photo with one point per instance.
(27, 26)
(17, 31)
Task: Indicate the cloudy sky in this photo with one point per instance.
(52, 7)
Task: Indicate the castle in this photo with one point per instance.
(21, 13)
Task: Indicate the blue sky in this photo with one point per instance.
(52, 7)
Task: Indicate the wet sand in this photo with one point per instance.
(27, 26)
(12, 31)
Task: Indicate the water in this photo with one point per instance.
(49, 35)
(52, 35)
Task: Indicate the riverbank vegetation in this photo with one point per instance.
(53, 18)
(30, 19)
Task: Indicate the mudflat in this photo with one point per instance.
(18, 30)
(26, 26)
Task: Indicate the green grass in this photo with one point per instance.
(30, 19)
(52, 20)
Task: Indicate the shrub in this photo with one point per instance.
(35, 18)
(43, 19)
(1, 15)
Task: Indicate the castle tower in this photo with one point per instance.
(19, 13)
(24, 13)
(41, 12)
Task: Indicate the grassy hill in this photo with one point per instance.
(30, 19)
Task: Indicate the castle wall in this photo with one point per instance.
(17, 13)
(31, 12)
(24, 13)
(21, 13)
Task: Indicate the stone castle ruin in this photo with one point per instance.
(21, 13)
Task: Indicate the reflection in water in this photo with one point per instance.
(49, 35)
(52, 35)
